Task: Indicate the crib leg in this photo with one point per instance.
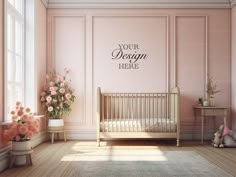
(98, 142)
(177, 142)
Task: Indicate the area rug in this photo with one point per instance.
(138, 163)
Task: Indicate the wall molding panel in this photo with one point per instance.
(53, 62)
(167, 60)
(206, 73)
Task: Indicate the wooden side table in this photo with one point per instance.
(57, 132)
(204, 112)
(14, 154)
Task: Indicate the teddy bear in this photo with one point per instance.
(217, 141)
(224, 137)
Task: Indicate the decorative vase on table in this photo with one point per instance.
(55, 124)
(211, 101)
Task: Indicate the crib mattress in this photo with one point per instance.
(139, 125)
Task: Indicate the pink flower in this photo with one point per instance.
(42, 94)
(20, 113)
(62, 84)
(51, 83)
(17, 138)
(62, 90)
(53, 93)
(52, 89)
(50, 108)
(27, 110)
(18, 103)
(23, 129)
(13, 112)
(68, 96)
(49, 99)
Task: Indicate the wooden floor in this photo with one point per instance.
(51, 155)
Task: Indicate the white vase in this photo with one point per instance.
(205, 103)
(55, 124)
(21, 146)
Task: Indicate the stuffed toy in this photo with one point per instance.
(224, 137)
(218, 138)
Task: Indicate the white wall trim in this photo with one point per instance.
(81, 134)
(39, 138)
(45, 3)
(4, 157)
(233, 3)
(137, 4)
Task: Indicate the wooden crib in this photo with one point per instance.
(138, 115)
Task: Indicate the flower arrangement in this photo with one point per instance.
(211, 88)
(57, 95)
(23, 125)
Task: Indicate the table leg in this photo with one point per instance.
(202, 126)
(194, 126)
(52, 138)
(64, 136)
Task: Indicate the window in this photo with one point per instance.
(14, 60)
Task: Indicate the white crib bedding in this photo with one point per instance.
(138, 125)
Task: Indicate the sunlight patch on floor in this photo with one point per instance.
(111, 154)
(74, 157)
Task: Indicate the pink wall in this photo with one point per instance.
(101, 30)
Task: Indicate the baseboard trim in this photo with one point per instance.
(4, 157)
(39, 138)
(81, 134)
(4, 152)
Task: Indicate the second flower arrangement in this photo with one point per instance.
(57, 95)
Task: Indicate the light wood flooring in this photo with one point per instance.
(55, 159)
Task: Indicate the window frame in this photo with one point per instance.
(17, 16)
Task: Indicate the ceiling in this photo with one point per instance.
(139, 3)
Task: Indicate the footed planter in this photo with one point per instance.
(55, 124)
(21, 146)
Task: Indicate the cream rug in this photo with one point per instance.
(140, 163)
